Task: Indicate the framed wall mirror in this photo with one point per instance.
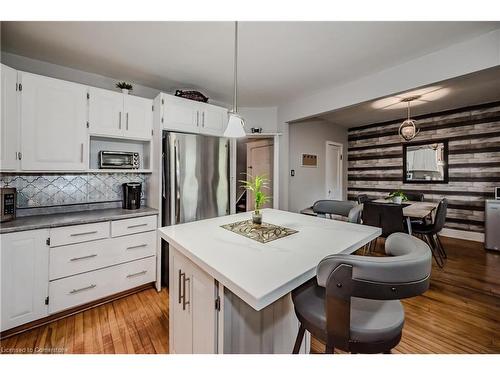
(426, 162)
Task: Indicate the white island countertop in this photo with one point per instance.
(261, 273)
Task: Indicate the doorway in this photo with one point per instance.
(333, 170)
(255, 156)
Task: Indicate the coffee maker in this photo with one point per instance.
(131, 195)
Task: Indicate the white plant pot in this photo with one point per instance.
(397, 200)
(125, 91)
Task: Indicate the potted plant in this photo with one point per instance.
(124, 86)
(398, 196)
(256, 185)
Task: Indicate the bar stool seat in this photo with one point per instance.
(371, 320)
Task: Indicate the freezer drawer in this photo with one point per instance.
(492, 225)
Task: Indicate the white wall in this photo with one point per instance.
(308, 184)
(260, 117)
(476, 54)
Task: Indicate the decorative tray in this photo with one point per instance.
(262, 233)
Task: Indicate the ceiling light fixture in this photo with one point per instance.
(235, 125)
(408, 128)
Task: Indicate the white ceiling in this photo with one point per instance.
(279, 61)
(468, 90)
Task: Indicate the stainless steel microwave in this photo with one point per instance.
(118, 160)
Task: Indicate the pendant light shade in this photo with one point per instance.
(235, 125)
(408, 129)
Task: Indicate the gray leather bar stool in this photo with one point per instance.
(353, 304)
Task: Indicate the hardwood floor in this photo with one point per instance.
(459, 314)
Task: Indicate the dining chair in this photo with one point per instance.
(331, 207)
(430, 232)
(387, 216)
(353, 303)
(362, 198)
(414, 196)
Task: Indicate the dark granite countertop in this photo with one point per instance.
(72, 218)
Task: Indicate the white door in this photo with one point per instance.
(203, 311)
(181, 319)
(9, 114)
(24, 265)
(106, 112)
(180, 114)
(333, 171)
(213, 119)
(53, 124)
(260, 161)
(138, 116)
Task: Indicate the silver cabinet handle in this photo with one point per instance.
(137, 274)
(84, 257)
(81, 152)
(17, 155)
(82, 233)
(137, 246)
(137, 225)
(127, 121)
(203, 119)
(119, 120)
(181, 274)
(82, 289)
(184, 302)
(197, 118)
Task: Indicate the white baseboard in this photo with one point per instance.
(462, 234)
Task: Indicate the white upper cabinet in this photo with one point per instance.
(213, 119)
(180, 114)
(138, 116)
(192, 117)
(24, 265)
(105, 112)
(9, 126)
(118, 115)
(53, 124)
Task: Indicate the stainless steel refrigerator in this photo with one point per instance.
(195, 181)
(492, 224)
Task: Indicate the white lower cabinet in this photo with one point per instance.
(192, 299)
(44, 272)
(24, 265)
(89, 286)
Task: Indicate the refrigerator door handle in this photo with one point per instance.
(164, 181)
(177, 180)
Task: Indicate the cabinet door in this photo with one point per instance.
(106, 115)
(181, 319)
(203, 311)
(53, 124)
(9, 114)
(180, 114)
(24, 264)
(138, 116)
(213, 119)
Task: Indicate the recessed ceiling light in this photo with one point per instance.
(418, 97)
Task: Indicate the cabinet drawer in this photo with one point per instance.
(135, 225)
(78, 233)
(83, 257)
(87, 287)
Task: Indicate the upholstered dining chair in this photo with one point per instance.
(353, 304)
(430, 233)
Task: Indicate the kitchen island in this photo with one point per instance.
(231, 294)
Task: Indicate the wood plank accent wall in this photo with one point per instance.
(375, 164)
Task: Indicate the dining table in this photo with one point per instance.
(413, 210)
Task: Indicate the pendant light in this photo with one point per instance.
(408, 128)
(235, 125)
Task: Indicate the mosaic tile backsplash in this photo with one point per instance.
(64, 189)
